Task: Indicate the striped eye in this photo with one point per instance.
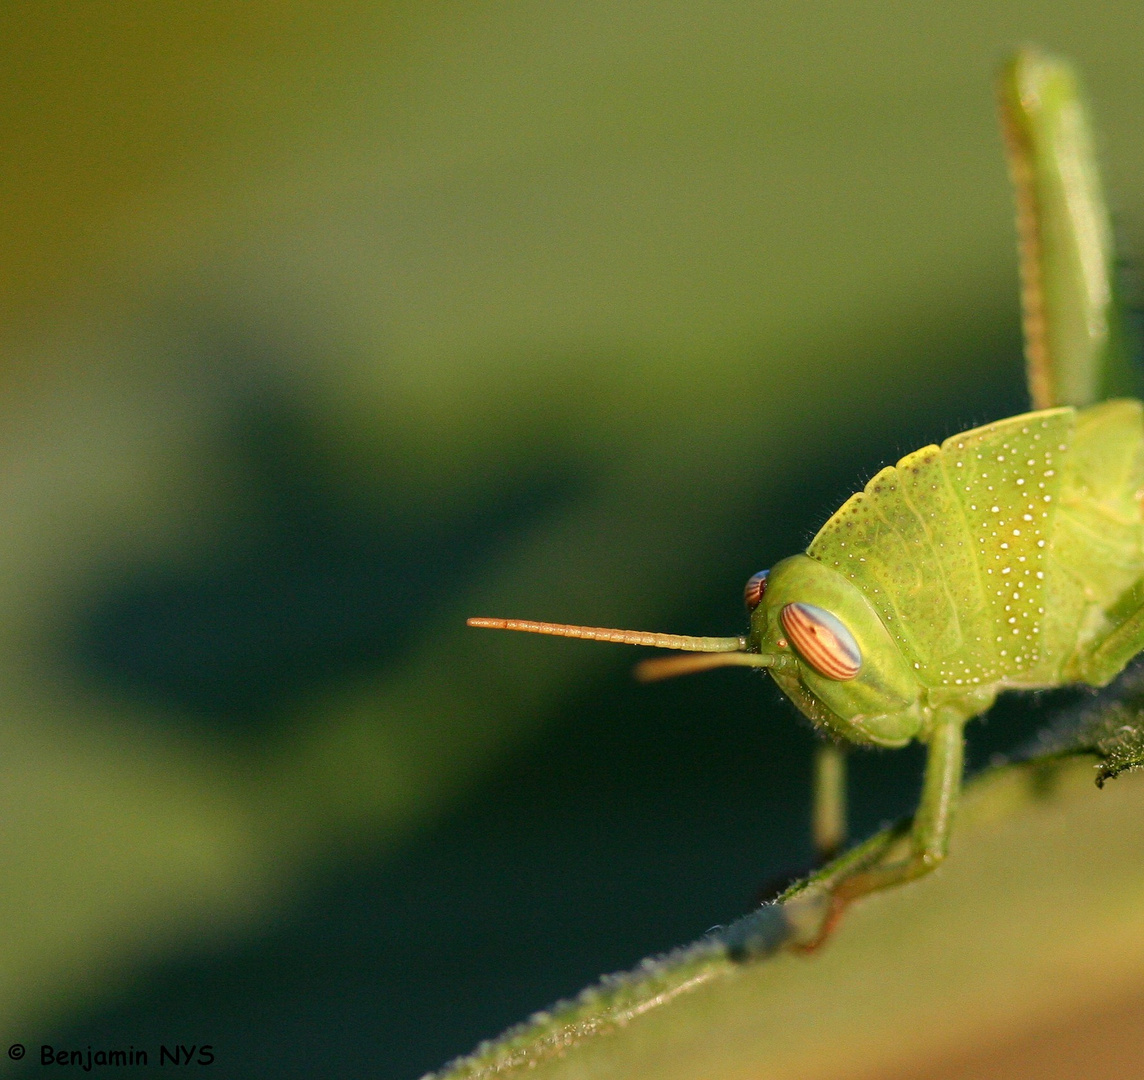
(822, 641)
(755, 587)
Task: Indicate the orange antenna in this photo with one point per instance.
(668, 667)
(623, 637)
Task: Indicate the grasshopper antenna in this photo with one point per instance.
(708, 652)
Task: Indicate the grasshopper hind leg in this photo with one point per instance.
(1112, 653)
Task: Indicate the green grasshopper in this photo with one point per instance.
(1011, 557)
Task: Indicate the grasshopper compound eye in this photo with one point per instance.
(754, 589)
(822, 641)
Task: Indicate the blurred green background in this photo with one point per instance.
(323, 326)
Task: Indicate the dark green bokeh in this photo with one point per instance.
(629, 822)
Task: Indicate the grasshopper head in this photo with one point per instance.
(822, 641)
(833, 656)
